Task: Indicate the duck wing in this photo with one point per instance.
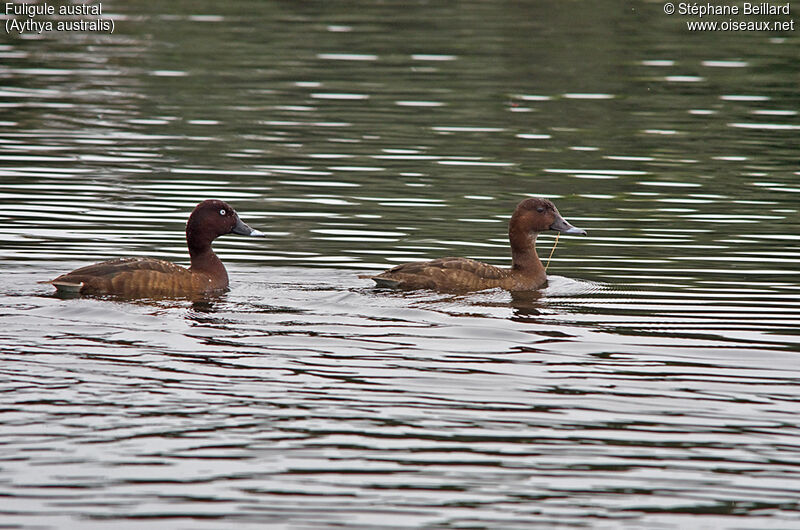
(444, 274)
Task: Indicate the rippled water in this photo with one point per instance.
(653, 383)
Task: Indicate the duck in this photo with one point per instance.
(530, 217)
(139, 277)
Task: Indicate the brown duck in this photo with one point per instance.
(152, 278)
(462, 274)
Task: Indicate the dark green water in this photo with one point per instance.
(654, 383)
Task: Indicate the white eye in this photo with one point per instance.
(222, 212)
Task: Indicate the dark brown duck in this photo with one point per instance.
(463, 274)
(152, 278)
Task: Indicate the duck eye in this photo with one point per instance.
(540, 209)
(223, 212)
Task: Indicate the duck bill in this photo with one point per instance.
(242, 229)
(561, 225)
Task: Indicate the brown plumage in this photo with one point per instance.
(530, 217)
(153, 278)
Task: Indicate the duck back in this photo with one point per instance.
(446, 274)
(134, 277)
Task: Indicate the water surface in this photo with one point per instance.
(653, 383)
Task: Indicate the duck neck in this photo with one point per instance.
(523, 253)
(205, 261)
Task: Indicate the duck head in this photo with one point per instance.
(213, 218)
(536, 215)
